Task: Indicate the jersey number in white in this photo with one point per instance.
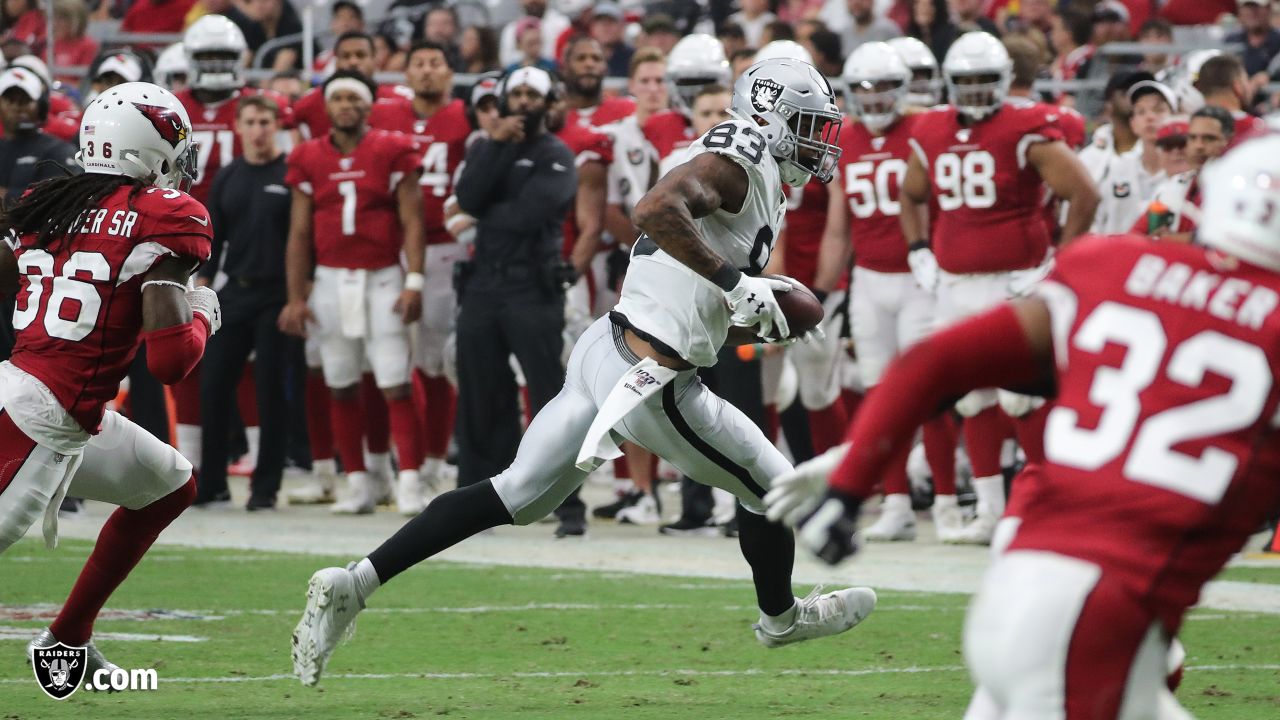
(967, 181)
(35, 265)
(872, 186)
(347, 188)
(206, 141)
(435, 169)
(1152, 459)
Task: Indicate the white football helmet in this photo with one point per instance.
(215, 50)
(977, 71)
(794, 107)
(925, 89)
(1182, 78)
(140, 130)
(879, 73)
(696, 61)
(784, 50)
(171, 63)
(1241, 192)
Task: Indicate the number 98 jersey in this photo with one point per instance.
(988, 193)
(663, 298)
(78, 309)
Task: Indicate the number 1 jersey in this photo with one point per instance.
(78, 310)
(662, 298)
(1161, 450)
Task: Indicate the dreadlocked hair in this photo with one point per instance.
(51, 208)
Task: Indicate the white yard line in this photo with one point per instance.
(25, 633)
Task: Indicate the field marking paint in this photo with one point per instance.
(24, 633)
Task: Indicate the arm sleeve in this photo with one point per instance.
(544, 199)
(173, 352)
(989, 350)
(487, 164)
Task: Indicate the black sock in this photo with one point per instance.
(770, 549)
(447, 521)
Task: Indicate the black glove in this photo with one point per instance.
(828, 532)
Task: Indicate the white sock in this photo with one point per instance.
(189, 443)
(325, 469)
(897, 503)
(990, 492)
(253, 439)
(942, 502)
(431, 467)
(378, 463)
(366, 578)
(778, 624)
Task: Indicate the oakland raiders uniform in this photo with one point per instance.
(684, 315)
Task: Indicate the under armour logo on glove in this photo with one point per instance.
(752, 302)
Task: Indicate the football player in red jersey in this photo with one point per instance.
(99, 263)
(438, 123)
(889, 311)
(1162, 443)
(215, 50)
(356, 189)
(583, 68)
(352, 51)
(986, 163)
(695, 62)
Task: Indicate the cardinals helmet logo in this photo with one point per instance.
(166, 122)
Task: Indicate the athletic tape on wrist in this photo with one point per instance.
(415, 281)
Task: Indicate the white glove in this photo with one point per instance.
(793, 495)
(751, 301)
(815, 335)
(1022, 281)
(924, 268)
(204, 301)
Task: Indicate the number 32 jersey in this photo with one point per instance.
(1162, 453)
(78, 310)
(988, 193)
(662, 298)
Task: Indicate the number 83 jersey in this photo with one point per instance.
(988, 192)
(663, 298)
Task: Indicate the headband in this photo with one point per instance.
(351, 84)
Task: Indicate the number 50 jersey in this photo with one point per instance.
(988, 193)
(664, 299)
(78, 310)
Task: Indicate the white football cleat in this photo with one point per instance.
(318, 490)
(644, 512)
(94, 660)
(329, 619)
(378, 466)
(948, 520)
(360, 496)
(897, 521)
(820, 615)
(979, 531)
(409, 493)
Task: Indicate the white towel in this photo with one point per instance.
(351, 302)
(636, 385)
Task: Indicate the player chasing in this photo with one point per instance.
(1160, 450)
(709, 228)
(97, 263)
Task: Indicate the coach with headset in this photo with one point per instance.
(518, 184)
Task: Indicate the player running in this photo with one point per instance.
(1161, 453)
(709, 229)
(99, 263)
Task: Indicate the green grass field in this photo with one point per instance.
(465, 641)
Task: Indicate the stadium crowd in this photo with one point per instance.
(629, 86)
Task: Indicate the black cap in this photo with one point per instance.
(1122, 80)
(659, 23)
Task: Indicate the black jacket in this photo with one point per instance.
(21, 158)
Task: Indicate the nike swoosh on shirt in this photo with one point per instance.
(202, 221)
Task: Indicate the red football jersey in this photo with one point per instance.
(872, 170)
(989, 195)
(355, 221)
(1161, 450)
(587, 146)
(611, 109)
(668, 131)
(78, 312)
(805, 222)
(213, 128)
(311, 117)
(442, 138)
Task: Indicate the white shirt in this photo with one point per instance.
(554, 24)
(631, 173)
(1125, 186)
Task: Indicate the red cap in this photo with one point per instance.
(1174, 130)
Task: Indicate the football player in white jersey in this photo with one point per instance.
(708, 231)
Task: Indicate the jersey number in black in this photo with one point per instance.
(722, 136)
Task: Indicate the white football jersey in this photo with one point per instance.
(675, 306)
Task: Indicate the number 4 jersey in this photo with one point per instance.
(78, 310)
(663, 298)
(988, 192)
(1161, 451)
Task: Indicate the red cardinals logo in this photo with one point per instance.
(166, 122)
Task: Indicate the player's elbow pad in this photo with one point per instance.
(173, 352)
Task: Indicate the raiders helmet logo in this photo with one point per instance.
(765, 94)
(166, 122)
(59, 669)
(1121, 189)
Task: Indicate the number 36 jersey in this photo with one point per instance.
(662, 298)
(988, 193)
(1162, 453)
(78, 310)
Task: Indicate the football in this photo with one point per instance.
(801, 307)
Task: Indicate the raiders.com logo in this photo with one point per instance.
(61, 670)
